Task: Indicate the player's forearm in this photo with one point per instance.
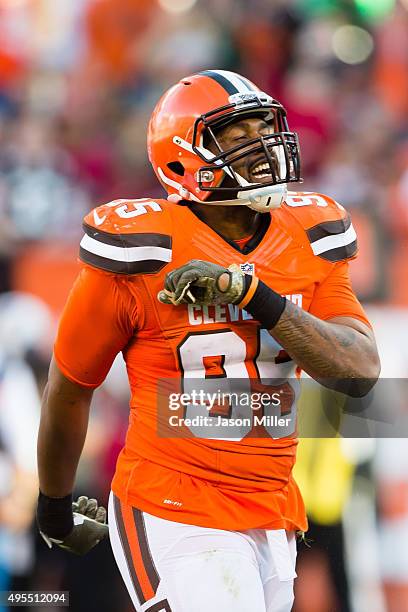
(340, 354)
(327, 351)
(63, 427)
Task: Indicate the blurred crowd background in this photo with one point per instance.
(78, 80)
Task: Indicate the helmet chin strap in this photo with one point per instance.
(261, 199)
(264, 199)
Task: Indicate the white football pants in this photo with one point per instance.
(174, 567)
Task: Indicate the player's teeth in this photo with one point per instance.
(260, 169)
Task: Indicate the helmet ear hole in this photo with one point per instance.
(176, 167)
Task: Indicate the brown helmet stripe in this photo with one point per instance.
(221, 80)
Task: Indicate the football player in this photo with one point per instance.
(232, 278)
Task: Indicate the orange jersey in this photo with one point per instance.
(301, 251)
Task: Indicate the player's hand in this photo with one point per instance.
(203, 283)
(89, 527)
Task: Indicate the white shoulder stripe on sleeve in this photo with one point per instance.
(129, 254)
(335, 241)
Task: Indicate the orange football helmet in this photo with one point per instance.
(185, 120)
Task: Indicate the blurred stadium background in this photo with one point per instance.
(78, 79)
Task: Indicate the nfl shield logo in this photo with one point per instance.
(247, 268)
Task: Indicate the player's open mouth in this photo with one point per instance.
(261, 171)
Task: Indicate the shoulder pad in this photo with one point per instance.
(128, 237)
(326, 224)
